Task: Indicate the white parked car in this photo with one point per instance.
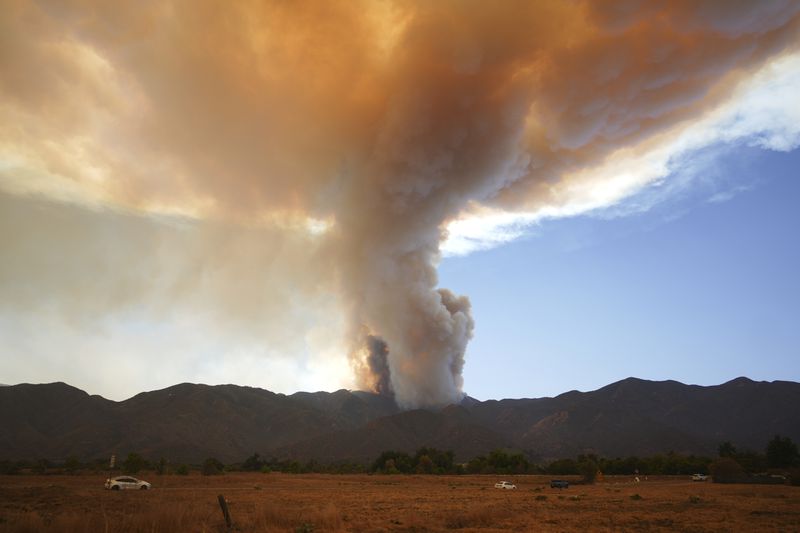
(505, 485)
(126, 482)
(699, 477)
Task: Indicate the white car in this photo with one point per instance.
(699, 477)
(126, 482)
(505, 485)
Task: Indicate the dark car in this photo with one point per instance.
(559, 484)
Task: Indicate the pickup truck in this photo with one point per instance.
(559, 484)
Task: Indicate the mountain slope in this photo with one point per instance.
(189, 422)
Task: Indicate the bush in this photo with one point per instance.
(726, 470)
(588, 469)
(182, 470)
(212, 467)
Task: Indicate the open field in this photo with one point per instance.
(315, 502)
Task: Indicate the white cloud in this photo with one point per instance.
(763, 112)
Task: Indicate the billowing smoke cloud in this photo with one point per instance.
(351, 134)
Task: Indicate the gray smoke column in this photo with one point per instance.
(351, 133)
(378, 362)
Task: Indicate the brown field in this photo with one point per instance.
(316, 502)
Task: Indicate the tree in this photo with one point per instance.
(587, 467)
(252, 463)
(134, 463)
(726, 449)
(442, 461)
(782, 452)
(389, 467)
(424, 465)
(400, 461)
(161, 467)
(562, 466)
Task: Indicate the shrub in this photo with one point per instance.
(588, 469)
(726, 470)
(212, 467)
(182, 470)
(252, 463)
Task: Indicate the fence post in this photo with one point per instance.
(225, 512)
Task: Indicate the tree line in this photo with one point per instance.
(781, 453)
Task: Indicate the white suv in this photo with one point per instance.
(505, 485)
(126, 482)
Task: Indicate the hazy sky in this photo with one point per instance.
(422, 198)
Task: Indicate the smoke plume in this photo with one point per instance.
(378, 362)
(348, 135)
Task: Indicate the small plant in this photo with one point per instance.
(574, 498)
(537, 489)
(304, 528)
(636, 497)
(541, 498)
(694, 499)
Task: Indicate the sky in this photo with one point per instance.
(701, 289)
(419, 199)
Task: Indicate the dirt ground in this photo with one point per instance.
(314, 502)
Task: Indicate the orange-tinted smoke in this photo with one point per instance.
(384, 119)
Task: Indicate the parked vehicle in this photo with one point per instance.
(505, 485)
(699, 477)
(559, 484)
(126, 483)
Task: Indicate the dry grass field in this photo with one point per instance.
(304, 503)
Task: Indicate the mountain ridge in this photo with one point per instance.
(189, 422)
